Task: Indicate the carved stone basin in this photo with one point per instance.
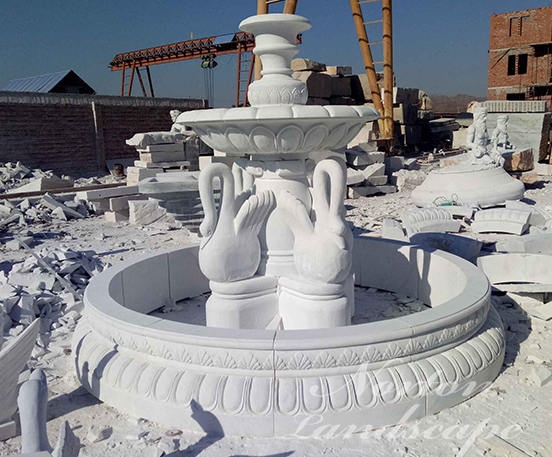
(285, 129)
(265, 382)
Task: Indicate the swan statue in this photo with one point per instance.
(322, 249)
(230, 248)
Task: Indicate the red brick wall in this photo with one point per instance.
(506, 40)
(537, 28)
(58, 131)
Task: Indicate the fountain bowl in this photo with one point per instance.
(278, 130)
(268, 382)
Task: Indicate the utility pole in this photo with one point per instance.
(388, 68)
(367, 58)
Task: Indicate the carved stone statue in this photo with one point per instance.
(230, 248)
(480, 148)
(333, 263)
(499, 138)
(178, 128)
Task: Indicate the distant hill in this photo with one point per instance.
(454, 104)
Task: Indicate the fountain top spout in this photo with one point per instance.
(275, 44)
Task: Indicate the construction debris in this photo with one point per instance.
(49, 285)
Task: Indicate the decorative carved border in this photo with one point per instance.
(236, 387)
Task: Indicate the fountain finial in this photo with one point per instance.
(276, 37)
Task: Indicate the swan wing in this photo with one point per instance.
(298, 218)
(242, 197)
(254, 211)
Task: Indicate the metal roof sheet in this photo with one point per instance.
(42, 83)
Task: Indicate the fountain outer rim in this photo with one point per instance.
(263, 113)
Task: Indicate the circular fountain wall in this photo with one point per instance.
(267, 382)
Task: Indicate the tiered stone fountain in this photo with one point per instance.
(279, 261)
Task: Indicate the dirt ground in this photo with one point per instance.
(514, 406)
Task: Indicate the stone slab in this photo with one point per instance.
(100, 194)
(318, 84)
(175, 164)
(360, 158)
(173, 147)
(307, 65)
(141, 140)
(117, 216)
(161, 157)
(135, 174)
(338, 70)
(518, 160)
(144, 212)
(405, 113)
(341, 87)
(44, 184)
(121, 203)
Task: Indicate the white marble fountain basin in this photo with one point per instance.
(285, 129)
(264, 382)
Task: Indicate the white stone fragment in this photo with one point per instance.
(501, 220)
(541, 375)
(145, 212)
(96, 434)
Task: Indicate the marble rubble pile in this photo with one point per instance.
(31, 290)
(42, 209)
(16, 177)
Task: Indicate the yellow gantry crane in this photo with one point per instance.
(386, 107)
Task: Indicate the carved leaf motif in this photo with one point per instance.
(225, 360)
(238, 139)
(372, 355)
(413, 347)
(430, 341)
(263, 139)
(336, 136)
(166, 353)
(299, 362)
(315, 137)
(250, 362)
(393, 351)
(324, 360)
(446, 335)
(184, 356)
(204, 359)
(348, 358)
(274, 363)
(147, 347)
(289, 138)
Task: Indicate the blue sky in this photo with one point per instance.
(440, 45)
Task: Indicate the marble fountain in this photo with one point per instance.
(280, 264)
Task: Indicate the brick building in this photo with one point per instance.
(520, 55)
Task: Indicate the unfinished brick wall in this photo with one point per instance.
(519, 33)
(77, 133)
